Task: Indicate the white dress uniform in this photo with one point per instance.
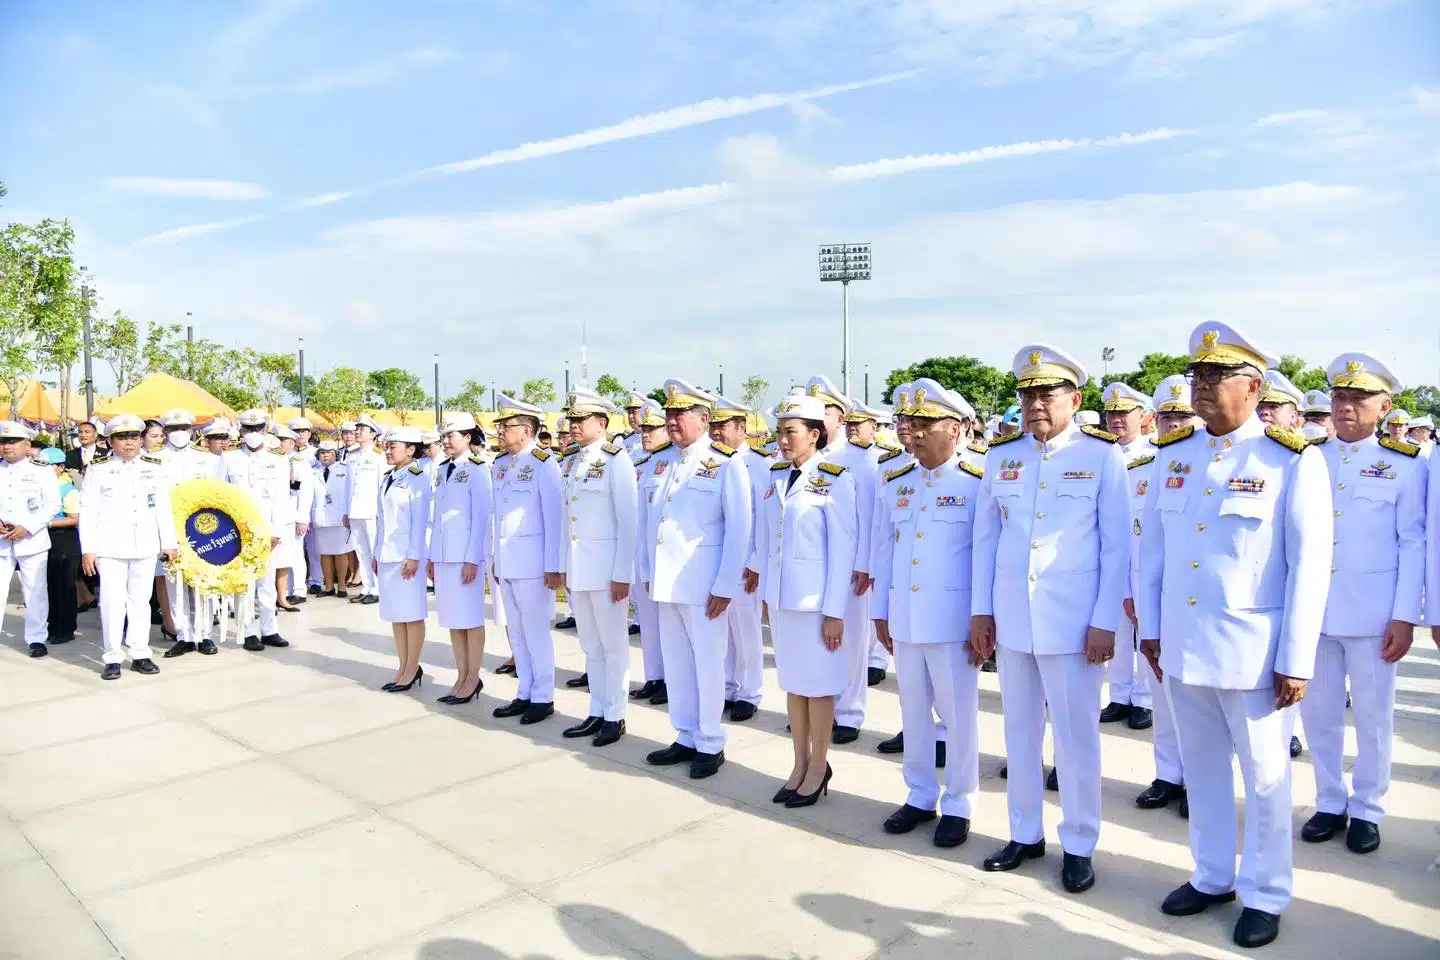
(1234, 570)
(1125, 688)
(647, 615)
(598, 530)
(402, 525)
(923, 553)
(1052, 549)
(332, 498)
(527, 546)
(861, 462)
(181, 464)
(302, 505)
(696, 513)
(460, 533)
(125, 522)
(365, 467)
(263, 475)
(29, 498)
(1378, 488)
(805, 543)
(745, 651)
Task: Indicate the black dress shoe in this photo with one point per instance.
(581, 681)
(1322, 827)
(907, 818)
(567, 624)
(253, 643)
(315, 590)
(1186, 901)
(1363, 836)
(1013, 854)
(727, 705)
(146, 666)
(661, 696)
(1296, 748)
(939, 753)
(1004, 771)
(274, 640)
(1077, 874)
(673, 754)
(536, 712)
(634, 629)
(507, 667)
(585, 728)
(644, 691)
(38, 650)
(370, 600)
(1052, 782)
(844, 734)
(111, 672)
(179, 649)
(295, 599)
(1184, 808)
(1114, 712)
(512, 709)
(875, 676)
(59, 638)
(989, 666)
(895, 744)
(359, 597)
(1255, 928)
(951, 831)
(207, 647)
(1158, 794)
(742, 711)
(1141, 718)
(610, 731)
(706, 765)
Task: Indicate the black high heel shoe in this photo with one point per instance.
(809, 800)
(451, 699)
(782, 795)
(393, 687)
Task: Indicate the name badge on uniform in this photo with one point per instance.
(1078, 475)
(1380, 470)
(32, 504)
(945, 502)
(1245, 485)
(150, 500)
(1010, 469)
(328, 501)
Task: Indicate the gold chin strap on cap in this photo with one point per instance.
(1356, 377)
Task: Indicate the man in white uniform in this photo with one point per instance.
(527, 495)
(184, 460)
(921, 606)
(1317, 411)
(125, 523)
(1235, 559)
(29, 500)
(302, 505)
(1127, 414)
(745, 653)
(263, 475)
(1377, 579)
(1052, 555)
(651, 430)
(1421, 432)
(634, 413)
(862, 424)
(597, 560)
(365, 466)
(696, 512)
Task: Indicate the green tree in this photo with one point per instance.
(988, 390)
(37, 298)
(657, 394)
(753, 391)
(611, 388)
(228, 374)
(274, 373)
(1153, 368)
(473, 397)
(1427, 400)
(539, 391)
(116, 340)
(340, 394)
(396, 389)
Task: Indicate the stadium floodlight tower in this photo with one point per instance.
(844, 262)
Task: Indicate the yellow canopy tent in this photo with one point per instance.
(160, 392)
(34, 406)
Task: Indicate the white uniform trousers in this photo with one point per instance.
(1372, 692)
(647, 614)
(33, 590)
(694, 650)
(1215, 725)
(1122, 671)
(937, 677)
(605, 638)
(879, 656)
(125, 587)
(745, 651)
(362, 535)
(497, 602)
(859, 631)
(195, 625)
(262, 619)
(1070, 688)
(315, 575)
(1162, 731)
(529, 609)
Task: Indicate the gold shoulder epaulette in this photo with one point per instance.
(610, 448)
(99, 458)
(644, 459)
(896, 474)
(416, 469)
(890, 456)
(541, 455)
(1140, 462)
(1319, 440)
(759, 447)
(571, 450)
(974, 471)
(723, 450)
(1174, 436)
(1007, 439)
(663, 446)
(780, 465)
(1399, 446)
(149, 459)
(1286, 437)
(977, 446)
(476, 458)
(832, 469)
(1098, 434)
(887, 446)
(862, 444)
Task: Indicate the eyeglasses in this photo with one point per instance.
(1211, 375)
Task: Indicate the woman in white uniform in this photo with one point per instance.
(402, 521)
(805, 542)
(332, 537)
(459, 550)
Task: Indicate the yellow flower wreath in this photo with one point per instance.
(224, 541)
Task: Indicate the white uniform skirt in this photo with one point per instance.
(282, 552)
(401, 600)
(458, 606)
(805, 668)
(332, 541)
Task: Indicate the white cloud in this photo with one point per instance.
(177, 234)
(324, 199)
(934, 161)
(1290, 118)
(372, 74)
(188, 187)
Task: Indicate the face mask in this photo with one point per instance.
(179, 438)
(254, 440)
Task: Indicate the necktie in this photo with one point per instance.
(389, 479)
(794, 475)
(449, 469)
(327, 474)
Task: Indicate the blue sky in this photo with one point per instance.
(476, 178)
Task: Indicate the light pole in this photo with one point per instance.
(85, 293)
(302, 376)
(189, 348)
(567, 378)
(845, 262)
(438, 411)
(722, 379)
(867, 383)
(1106, 355)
